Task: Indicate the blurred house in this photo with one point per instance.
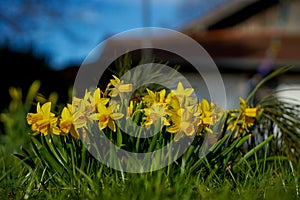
(253, 38)
(246, 39)
(240, 34)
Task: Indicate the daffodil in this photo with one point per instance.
(154, 114)
(155, 97)
(119, 87)
(16, 95)
(173, 103)
(82, 109)
(84, 104)
(183, 94)
(205, 112)
(130, 109)
(245, 118)
(248, 114)
(43, 121)
(208, 114)
(67, 124)
(97, 98)
(183, 123)
(106, 117)
(251, 112)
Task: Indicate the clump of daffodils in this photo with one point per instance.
(174, 111)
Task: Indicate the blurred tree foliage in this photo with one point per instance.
(21, 68)
(20, 23)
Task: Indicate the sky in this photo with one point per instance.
(66, 31)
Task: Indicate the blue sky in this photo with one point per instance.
(68, 30)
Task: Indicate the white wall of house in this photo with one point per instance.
(235, 86)
(289, 89)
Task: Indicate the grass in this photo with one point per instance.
(261, 181)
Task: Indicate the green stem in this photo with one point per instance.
(267, 78)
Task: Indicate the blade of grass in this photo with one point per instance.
(253, 150)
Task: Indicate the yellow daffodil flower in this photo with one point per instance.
(119, 87)
(130, 109)
(183, 94)
(155, 97)
(173, 102)
(245, 119)
(44, 121)
(82, 109)
(106, 117)
(183, 122)
(67, 123)
(247, 114)
(208, 115)
(154, 113)
(98, 99)
(251, 112)
(84, 105)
